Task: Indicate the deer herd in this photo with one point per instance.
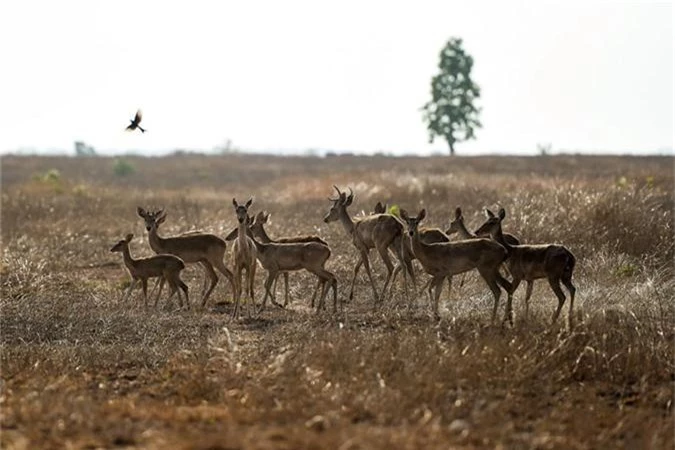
(494, 254)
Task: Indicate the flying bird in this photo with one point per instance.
(135, 123)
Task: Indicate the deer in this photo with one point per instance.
(379, 231)
(278, 257)
(445, 259)
(457, 226)
(258, 230)
(531, 262)
(244, 255)
(166, 267)
(428, 235)
(206, 249)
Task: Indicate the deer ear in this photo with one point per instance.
(141, 212)
(129, 237)
(161, 219)
(234, 202)
(404, 214)
(489, 213)
(422, 214)
(266, 216)
(349, 200)
(458, 212)
(379, 208)
(249, 202)
(502, 213)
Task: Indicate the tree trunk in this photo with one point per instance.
(452, 147)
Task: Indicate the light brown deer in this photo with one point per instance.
(457, 226)
(429, 236)
(379, 231)
(166, 267)
(278, 258)
(258, 230)
(206, 249)
(445, 259)
(244, 255)
(531, 262)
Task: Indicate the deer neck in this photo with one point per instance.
(463, 232)
(346, 221)
(259, 246)
(417, 244)
(156, 241)
(499, 237)
(262, 235)
(128, 260)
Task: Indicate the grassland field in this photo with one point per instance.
(81, 369)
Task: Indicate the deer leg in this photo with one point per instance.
(437, 285)
(285, 289)
(356, 272)
(366, 263)
(271, 276)
(384, 255)
(572, 290)
(405, 262)
(251, 282)
(491, 280)
(237, 291)
(173, 289)
(144, 283)
(555, 285)
(184, 287)
(227, 273)
(274, 291)
(214, 281)
(161, 285)
(508, 287)
(528, 294)
(129, 289)
(319, 285)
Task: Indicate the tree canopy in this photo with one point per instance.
(451, 113)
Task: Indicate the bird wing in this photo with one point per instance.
(131, 127)
(139, 116)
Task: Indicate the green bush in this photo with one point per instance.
(122, 167)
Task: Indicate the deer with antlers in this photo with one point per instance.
(206, 249)
(445, 259)
(244, 255)
(165, 267)
(531, 262)
(379, 231)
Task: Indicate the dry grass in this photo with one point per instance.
(82, 370)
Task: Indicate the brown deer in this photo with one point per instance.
(243, 255)
(428, 235)
(277, 257)
(258, 230)
(166, 267)
(205, 249)
(445, 259)
(531, 262)
(379, 231)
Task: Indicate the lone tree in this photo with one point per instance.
(451, 113)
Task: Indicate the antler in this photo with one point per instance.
(339, 195)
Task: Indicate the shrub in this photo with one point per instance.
(122, 167)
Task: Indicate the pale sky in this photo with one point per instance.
(585, 76)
